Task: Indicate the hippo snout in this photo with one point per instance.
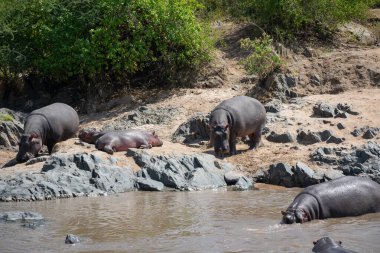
(288, 219)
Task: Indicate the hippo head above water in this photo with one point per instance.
(29, 146)
(220, 138)
(294, 216)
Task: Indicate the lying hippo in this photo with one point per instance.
(90, 135)
(47, 126)
(236, 117)
(345, 196)
(328, 245)
(123, 140)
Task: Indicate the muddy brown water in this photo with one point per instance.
(202, 221)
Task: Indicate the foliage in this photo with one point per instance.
(263, 59)
(59, 39)
(6, 117)
(292, 17)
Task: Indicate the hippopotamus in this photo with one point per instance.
(342, 197)
(328, 245)
(236, 117)
(114, 141)
(90, 135)
(47, 126)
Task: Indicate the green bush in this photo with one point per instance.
(59, 39)
(6, 117)
(263, 59)
(293, 17)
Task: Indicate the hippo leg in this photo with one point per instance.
(232, 143)
(108, 149)
(146, 146)
(254, 140)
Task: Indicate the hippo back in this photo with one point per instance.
(346, 196)
(247, 113)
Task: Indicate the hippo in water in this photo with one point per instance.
(236, 117)
(47, 126)
(113, 141)
(345, 196)
(328, 245)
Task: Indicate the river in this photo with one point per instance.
(200, 221)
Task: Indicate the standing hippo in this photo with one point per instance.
(47, 126)
(90, 135)
(123, 140)
(236, 117)
(345, 196)
(328, 245)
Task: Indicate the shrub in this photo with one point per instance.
(6, 117)
(60, 39)
(263, 59)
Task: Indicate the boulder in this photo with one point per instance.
(280, 138)
(195, 129)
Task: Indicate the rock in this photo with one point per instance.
(331, 174)
(11, 128)
(304, 176)
(280, 138)
(315, 80)
(280, 84)
(232, 177)
(368, 131)
(195, 129)
(147, 184)
(340, 126)
(336, 140)
(345, 108)
(369, 134)
(20, 216)
(182, 172)
(340, 114)
(280, 174)
(243, 183)
(64, 176)
(324, 110)
(308, 137)
(359, 32)
(273, 106)
(360, 161)
(72, 239)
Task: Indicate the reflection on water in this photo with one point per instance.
(204, 221)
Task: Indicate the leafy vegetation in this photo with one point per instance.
(6, 117)
(263, 59)
(285, 18)
(60, 39)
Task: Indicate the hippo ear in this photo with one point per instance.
(283, 212)
(314, 242)
(340, 242)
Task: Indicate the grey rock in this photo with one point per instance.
(280, 174)
(10, 131)
(340, 126)
(324, 110)
(315, 80)
(369, 134)
(280, 138)
(243, 183)
(195, 129)
(304, 176)
(361, 130)
(232, 177)
(64, 176)
(331, 174)
(146, 184)
(336, 140)
(307, 137)
(72, 239)
(273, 106)
(182, 172)
(20, 216)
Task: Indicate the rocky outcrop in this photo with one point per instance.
(11, 128)
(194, 130)
(363, 161)
(341, 110)
(300, 175)
(75, 175)
(307, 137)
(64, 176)
(186, 172)
(280, 138)
(366, 132)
